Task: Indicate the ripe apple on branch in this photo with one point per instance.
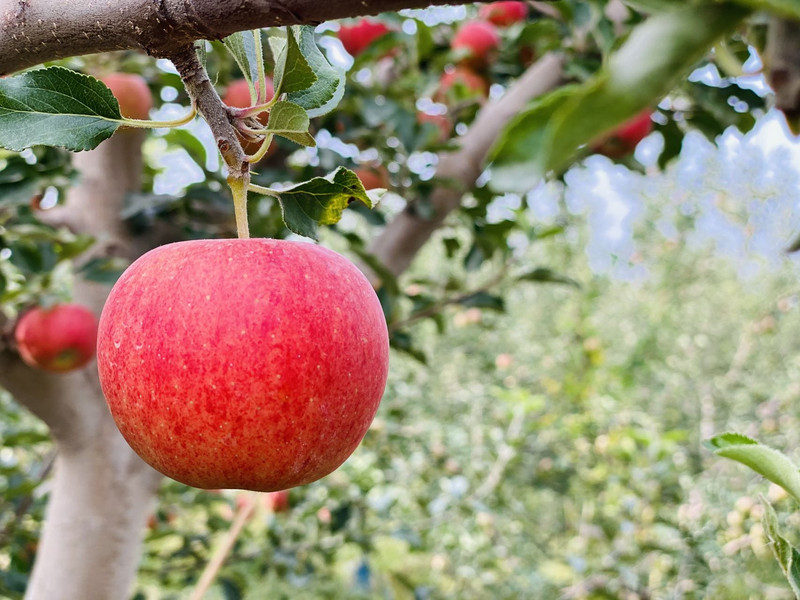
(59, 339)
(254, 364)
(251, 363)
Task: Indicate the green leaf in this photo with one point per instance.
(484, 300)
(658, 53)
(545, 275)
(242, 46)
(512, 154)
(326, 92)
(292, 71)
(56, 107)
(104, 270)
(320, 201)
(402, 341)
(18, 193)
(766, 461)
(787, 555)
(289, 120)
(787, 8)
(24, 438)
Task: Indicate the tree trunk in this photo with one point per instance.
(102, 492)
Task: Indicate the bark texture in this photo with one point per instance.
(36, 31)
(782, 68)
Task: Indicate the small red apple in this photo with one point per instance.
(357, 37)
(476, 41)
(626, 137)
(238, 96)
(253, 364)
(442, 122)
(132, 93)
(460, 83)
(373, 177)
(58, 339)
(503, 14)
(277, 501)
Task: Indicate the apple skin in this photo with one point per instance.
(373, 177)
(635, 130)
(479, 40)
(503, 14)
(357, 37)
(59, 339)
(132, 93)
(251, 364)
(471, 81)
(277, 502)
(442, 123)
(238, 96)
(623, 140)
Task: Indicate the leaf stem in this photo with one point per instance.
(147, 124)
(264, 191)
(262, 149)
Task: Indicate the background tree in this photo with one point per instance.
(415, 104)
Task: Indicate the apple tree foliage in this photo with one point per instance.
(327, 120)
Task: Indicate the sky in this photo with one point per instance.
(744, 191)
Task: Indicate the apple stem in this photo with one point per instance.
(216, 562)
(239, 188)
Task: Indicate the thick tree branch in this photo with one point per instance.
(397, 245)
(782, 67)
(36, 31)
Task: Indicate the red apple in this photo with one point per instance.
(277, 501)
(132, 93)
(58, 339)
(357, 37)
(238, 96)
(459, 83)
(503, 14)
(253, 364)
(373, 177)
(476, 41)
(626, 137)
(442, 122)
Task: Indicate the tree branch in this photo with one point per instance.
(36, 31)
(782, 67)
(405, 235)
(202, 92)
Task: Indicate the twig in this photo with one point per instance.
(504, 456)
(211, 108)
(436, 308)
(215, 564)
